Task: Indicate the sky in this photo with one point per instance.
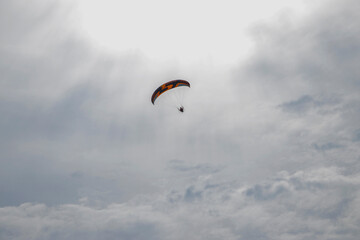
(268, 146)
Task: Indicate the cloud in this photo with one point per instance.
(69, 108)
(315, 56)
(307, 103)
(60, 101)
(320, 203)
(301, 86)
(84, 154)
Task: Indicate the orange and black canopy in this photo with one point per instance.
(167, 86)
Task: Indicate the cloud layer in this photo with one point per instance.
(274, 155)
(321, 204)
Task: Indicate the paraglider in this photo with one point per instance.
(173, 88)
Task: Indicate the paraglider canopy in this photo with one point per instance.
(168, 86)
(172, 88)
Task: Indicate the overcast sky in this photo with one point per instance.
(268, 147)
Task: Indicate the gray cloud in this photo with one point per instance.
(60, 102)
(306, 103)
(316, 56)
(84, 154)
(306, 71)
(320, 203)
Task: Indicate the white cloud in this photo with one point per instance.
(188, 31)
(320, 203)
